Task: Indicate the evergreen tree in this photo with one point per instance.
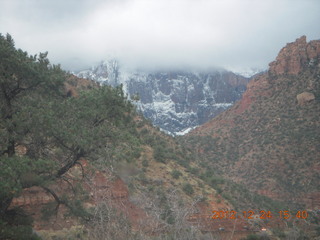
(23, 79)
(56, 130)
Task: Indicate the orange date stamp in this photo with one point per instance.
(262, 214)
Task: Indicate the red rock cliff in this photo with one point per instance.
(294, 56)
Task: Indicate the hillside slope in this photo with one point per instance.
(269, 141)
(78, 162)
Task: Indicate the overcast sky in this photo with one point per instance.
(235, 34)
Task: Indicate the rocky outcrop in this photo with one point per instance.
(305, 97)
(295, 56)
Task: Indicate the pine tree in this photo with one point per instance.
(56, 130)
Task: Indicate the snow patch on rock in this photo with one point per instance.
(176, 102)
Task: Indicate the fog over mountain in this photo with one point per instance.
(181, 33)
(175, 101)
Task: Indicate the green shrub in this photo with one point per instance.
(188, 189)
(145, 163)
(159, 154)
(16, 225)
(252, 237)
(144, 131)
(194, 171)
(176, 174)
(216, 180)
(142, 178)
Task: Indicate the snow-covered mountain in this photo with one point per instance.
(176, 101)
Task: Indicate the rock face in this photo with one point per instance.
(295, 56)
(176, 101)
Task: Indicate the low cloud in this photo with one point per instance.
(202, 33)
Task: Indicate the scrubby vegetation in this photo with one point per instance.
(46, 130)
(274, 133)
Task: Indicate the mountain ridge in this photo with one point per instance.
(269, 140)
(177, 100)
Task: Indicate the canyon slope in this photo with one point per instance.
(269, 140)
(86, 165)
(175, 101)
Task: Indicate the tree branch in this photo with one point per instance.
(70, 164)
(55, 196)
(82, 169)
(70, 184)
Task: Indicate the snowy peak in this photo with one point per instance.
(173, 100)
(106, 72)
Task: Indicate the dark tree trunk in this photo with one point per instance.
(8, 113)
(5, 204)
(11, 149)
